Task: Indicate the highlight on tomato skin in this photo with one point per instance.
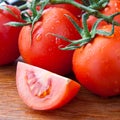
(43, 90)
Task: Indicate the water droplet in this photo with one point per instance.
(52, 28)
(50, 49)
(38, 37)
(57, 21)
(57, 40)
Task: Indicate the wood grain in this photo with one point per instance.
(85, 106)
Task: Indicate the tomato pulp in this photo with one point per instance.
(43, 90)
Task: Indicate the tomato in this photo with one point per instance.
(9, 35)
(112, 7)
(97, 64)
(74, 10)
(43, 49)
(43, 90)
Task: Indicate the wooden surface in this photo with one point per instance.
(85, 106)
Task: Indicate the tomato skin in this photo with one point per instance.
(112, 7)
(43, 51)
(9, 51)
(74, 10)
(61, 90)
(97, 64)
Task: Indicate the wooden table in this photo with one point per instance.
(85, 106)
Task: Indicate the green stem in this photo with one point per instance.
(90, 10)
(25, 6)
(108, 19)
(22, 7)
(86, 2)
(85, 27)
(83, 7)
(94, 12)
(93, 2)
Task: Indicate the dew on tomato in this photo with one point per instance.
(44, 51)
(97, 67)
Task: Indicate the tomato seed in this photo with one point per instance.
(36, 87)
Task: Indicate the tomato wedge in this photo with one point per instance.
(43, 90)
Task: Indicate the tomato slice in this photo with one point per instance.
(43, 90)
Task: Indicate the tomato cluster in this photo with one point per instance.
(96, 65)
(42, 49)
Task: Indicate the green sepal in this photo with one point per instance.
(75, 24)
(94, 28)
(101, 32)
(3, 7)
(16, 24)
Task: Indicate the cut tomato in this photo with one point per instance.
(43, 90)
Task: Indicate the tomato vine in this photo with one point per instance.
(90, 7)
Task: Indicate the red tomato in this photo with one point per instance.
(74, 10)
(44, 90)
(43, 49)
(112, 7)
(9, 35)
(97, 64)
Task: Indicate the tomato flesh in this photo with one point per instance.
(44, 90)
